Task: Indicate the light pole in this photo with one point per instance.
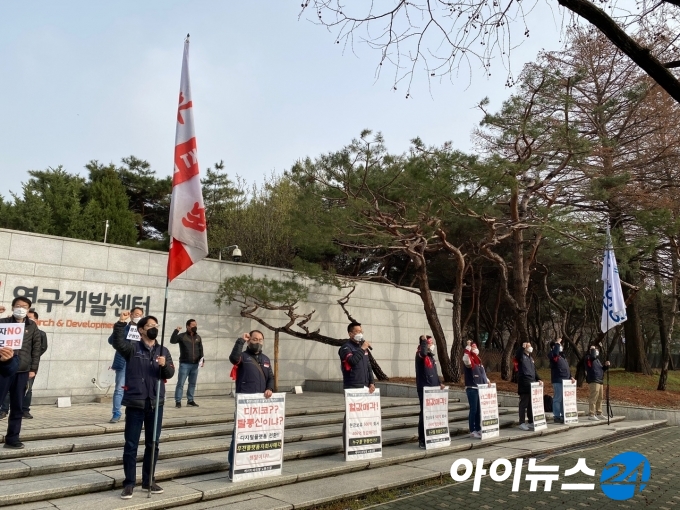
(106, 231)
(235, 255)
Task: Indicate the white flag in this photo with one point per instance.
(613, 303)
(187, 228)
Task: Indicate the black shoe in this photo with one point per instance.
(155, 489)
(27, 415)
(127, 492)
(229, 475)
(178, 405)
(14, 446)
(421, 446)
(3, 415)
(192, 403)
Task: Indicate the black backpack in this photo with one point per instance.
(547, 403)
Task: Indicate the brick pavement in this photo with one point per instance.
(661, 447)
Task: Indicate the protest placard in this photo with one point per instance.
(488, 406)
(12, 335)
(362, 424)
(436, 417)
(537, 406)
(569, 401)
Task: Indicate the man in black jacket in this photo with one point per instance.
(28, 396)
(29, 360)
(559, 371)
(595, 378)
(145, 363)
(426, 375)
(526, 375)
(252, 372)
(354, 364)
(190, 356)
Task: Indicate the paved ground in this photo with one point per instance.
(661, 447)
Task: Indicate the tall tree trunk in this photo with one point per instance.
(508, 351)
(636, 358)
(666, 340)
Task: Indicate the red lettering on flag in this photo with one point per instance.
(186, 162)
(195, 219)
(185, 106)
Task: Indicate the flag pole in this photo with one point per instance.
(158, 396)
(606, 336)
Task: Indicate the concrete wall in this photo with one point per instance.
(84, 272)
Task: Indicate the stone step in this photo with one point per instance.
(322, 453)
(37, 447)
(299, 486)
(110, 455)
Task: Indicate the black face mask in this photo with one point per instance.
(194, 330)
(152, 333)
(254, 348)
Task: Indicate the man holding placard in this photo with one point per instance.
(21, 334)
(474, 376)
(527, 375)
(254, 378)
(118, 365)
(427, 377)
(559, 371)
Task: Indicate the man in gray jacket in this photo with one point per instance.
(29, 360)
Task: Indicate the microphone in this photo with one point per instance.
(362, 343)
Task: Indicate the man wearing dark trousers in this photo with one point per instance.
(29, 360)
(252, 372)
(426, 375)
(146, 362)
(526, 375)
(28, 396)
(559, 371)
(354, 364)
(9, 363)
(190, 355)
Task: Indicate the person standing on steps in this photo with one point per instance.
(146, 363)
(595, 378)
(252, 372)
(118, 366)
(559, 371)
(28, 395)
(29, 361)
(474, 375)
(190, 358)
(354, 364)
(526, 375)
(426, 375)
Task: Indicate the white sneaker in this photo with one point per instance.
(476, 435)
(592, 417)
(601, 417)
(525, 426)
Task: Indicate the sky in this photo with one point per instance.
(86, 80)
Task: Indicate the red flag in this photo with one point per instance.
(187, 228)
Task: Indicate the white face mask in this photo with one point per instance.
(560, 348)
(530, 350)
(597, 353)
(431, 348)
(19, 312)
(135, 319)
(358, 337)
(475, 351)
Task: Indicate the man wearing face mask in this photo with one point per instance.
(559, 371)
(118, 366)
(426, 375)
(29, 360)
(595, 378)
(252, 372)
(474, 375)
(190, 356)
(146, 363)
(526, 375)
(354, 364)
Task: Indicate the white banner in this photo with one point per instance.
(569, 401)
(133, 334)
(488, 405)
(436, 417)
(258, 442)
(12, 335)
(363, 424)
(537, 406)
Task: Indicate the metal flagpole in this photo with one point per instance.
(158, 395)
(606, 335)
